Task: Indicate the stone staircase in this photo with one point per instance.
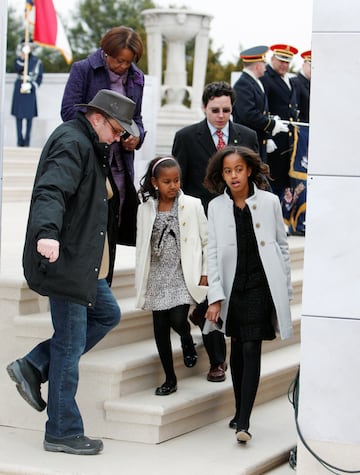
(19, 167)
(118, 377)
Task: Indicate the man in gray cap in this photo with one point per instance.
(69, 256)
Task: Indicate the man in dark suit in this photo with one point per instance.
(193, 147)
(251, 106)
(282, 103)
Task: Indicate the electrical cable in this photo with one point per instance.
(294, 400)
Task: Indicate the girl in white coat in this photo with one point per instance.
(170, 261)
(248, 269)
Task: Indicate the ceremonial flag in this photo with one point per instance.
(48, 29)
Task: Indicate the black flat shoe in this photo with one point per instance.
(190, 360)
(166, 389)
(189, 354)
(233, 424)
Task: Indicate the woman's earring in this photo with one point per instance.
(156, 188)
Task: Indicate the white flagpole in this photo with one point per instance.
(3, 37)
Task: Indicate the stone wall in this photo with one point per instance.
(329, 408)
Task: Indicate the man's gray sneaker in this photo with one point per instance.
(78, 445)
(28, 382)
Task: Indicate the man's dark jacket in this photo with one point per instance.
(251, 109)
(69, 203)
(194, 146)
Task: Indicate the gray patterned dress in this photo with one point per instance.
(166, 286)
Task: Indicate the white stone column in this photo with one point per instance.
(154, 49)
(329, 408)
(199, 71)
(177, 27)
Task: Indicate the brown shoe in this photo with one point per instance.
(217, 373)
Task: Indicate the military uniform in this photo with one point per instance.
(283, 103)
(251, 106)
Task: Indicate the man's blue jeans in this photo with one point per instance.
(77, 329)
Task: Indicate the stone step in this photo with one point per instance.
(17, 194)
(283, 469)
(136, 325)
(18, 180)
(296, 244)
(14, 156)
(120, 366)
(19, 168)
(143, 417)
(211, 450)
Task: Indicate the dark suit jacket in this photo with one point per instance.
(251, 108)
(194, 146)
(302, 88)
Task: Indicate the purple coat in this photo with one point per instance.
(86, 78)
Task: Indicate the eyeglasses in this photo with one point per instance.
(116, 132)
(217, 110)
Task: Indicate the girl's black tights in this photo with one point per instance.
(164, 320)
(245, 361)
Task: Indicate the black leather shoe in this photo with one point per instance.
(28, 382)
(190, 355)
(78, 445)
(166, 389)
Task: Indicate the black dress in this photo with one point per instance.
(250, 305)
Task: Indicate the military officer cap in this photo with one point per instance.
(284, 52)
(254, 54)
(306, 55)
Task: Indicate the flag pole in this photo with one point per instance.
(26, 50)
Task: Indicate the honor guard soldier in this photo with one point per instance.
(282, 104)
(294, 204)
(251, 107)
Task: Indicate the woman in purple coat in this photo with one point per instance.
(112, 66)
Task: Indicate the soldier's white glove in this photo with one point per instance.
(280, 126)
(270, 146)
(26, 49)
(25, 88)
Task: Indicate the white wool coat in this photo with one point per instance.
(273, 249)
(193, 244)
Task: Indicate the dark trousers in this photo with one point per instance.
(23, 141)
(214, 342)
(77, 329)
(164, 320)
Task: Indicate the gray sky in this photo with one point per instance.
(241, 24)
